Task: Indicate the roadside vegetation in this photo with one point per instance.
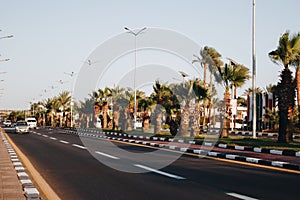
(187, 109)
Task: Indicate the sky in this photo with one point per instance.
(53, 38)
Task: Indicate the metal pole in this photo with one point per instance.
(253, 74)
(134, 81)
(71, 124)
(134, 84)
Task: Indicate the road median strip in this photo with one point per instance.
(284, 165)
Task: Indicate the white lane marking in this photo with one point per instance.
(106, 155)
(37, 133)
(45, 136)
(53, 138)
(160, 172)
(79, 146)
(62, 141)
(239, 196)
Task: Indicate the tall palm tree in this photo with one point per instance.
(64, 100)
(286, 101)
(285, 54)
(240, 74)
(48, 104)
(224, 76)
(296, 63)
(209, 58)
(86, 109)
(200, 94)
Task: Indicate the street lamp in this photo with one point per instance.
(3, 60)
(8, 36)
(183, 74)
(72, 103)
(134, 79)
(253, 73)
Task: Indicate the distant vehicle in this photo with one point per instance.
(7, 123)
(32, 123)
(21, 127)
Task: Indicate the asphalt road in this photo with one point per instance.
(74, 171)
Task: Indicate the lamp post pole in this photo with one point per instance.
(71, 103)
(253, 74)
(134, 79)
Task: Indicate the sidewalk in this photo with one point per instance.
(10, 186)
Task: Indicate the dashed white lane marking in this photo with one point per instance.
(106, 155)
(62, 141)
(79, 146)
(53, 138)
(37, 133)
(160, 172)
(45, 136)
(239, 196)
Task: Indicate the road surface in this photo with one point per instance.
(70, 169)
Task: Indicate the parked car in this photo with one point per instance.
(7, 123)
(21, 127)
(32, 123)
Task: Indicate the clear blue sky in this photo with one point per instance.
(53, 37)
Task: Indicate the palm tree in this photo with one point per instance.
(249, 91)
(285, 54)
(200, 94)
(86, 109)
(64, 100)
(240, 74)
(209, 58)
(224, 76)
(160, 95)
(184, 93)
(48, 104)
(296, 63)
(286, 101)
(271, 88)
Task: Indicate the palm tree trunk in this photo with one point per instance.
(210, 100)
(226, 121)
(234, 116)
(196, 120)
(282, 127)
(298, 90)
(205, 66)
(184, 125)
(157, 120)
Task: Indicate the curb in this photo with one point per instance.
(261, 134)
(279, 164)
(220, 145)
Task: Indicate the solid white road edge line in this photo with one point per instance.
(79, 146)
(106, 155)
(159, 172)
(239, 196)
(62, 141)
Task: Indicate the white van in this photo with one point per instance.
(31, 121)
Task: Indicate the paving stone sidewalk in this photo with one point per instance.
(10, 186)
